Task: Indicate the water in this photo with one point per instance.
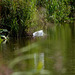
(54, 55)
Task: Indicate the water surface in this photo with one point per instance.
(55, 53)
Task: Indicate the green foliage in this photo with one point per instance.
(41, 3)
(58, 10)
(19, 15)
(0, 40)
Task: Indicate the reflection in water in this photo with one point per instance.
(6, 51)
(70, 58)
(58, 66)
(39, 61)
(9, 46)
(35, 60)
(56, 53)
(41, 56)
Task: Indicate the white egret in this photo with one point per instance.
(38, 33)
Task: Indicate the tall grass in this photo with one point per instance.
(22, 15)
(58, 11)
(19, 15)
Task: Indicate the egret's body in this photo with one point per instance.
(38, 33)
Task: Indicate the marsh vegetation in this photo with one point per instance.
(22, 54)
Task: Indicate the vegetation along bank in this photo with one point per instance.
(23, 17)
